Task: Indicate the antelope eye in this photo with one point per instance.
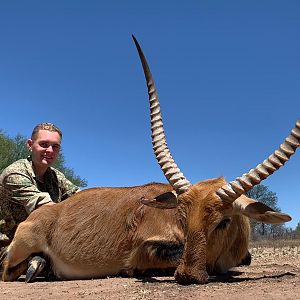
(224, 224)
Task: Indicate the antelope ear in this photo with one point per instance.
(164, 201)
(259, 211)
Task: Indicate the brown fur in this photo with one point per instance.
(107, 231)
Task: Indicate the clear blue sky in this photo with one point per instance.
(227, 73)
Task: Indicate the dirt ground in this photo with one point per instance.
(273, 274)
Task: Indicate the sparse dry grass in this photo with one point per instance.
(275, 243)
(276, 251)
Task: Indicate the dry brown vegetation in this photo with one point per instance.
(276, 251)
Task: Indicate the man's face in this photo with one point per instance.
(44, 148)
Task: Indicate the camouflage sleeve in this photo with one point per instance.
(23, 191)
(66, 186)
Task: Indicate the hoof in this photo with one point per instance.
(35, 266)
(193, 277)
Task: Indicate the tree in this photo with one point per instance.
(6, 150)
(12, 149)
(262, 194)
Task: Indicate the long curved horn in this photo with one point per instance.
(160, 147)
(241, 185)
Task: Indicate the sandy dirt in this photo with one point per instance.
(273, 274)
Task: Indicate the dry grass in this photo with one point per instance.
(276, 251)
(272, 243)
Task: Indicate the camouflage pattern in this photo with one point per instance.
(21, 192)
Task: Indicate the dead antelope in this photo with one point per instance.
(199, 229)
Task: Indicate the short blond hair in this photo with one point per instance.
(45, 126)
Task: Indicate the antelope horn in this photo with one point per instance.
(241, 185)
(160, 147)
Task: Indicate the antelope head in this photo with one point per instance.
(205, 206)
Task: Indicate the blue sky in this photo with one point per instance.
(227, 74)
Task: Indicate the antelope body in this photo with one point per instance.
(108, 231)
(197, 229)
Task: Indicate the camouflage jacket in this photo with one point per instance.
(21, 192)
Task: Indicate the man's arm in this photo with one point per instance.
(23, 191)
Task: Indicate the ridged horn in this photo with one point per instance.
(160, 147)
(232, 190)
